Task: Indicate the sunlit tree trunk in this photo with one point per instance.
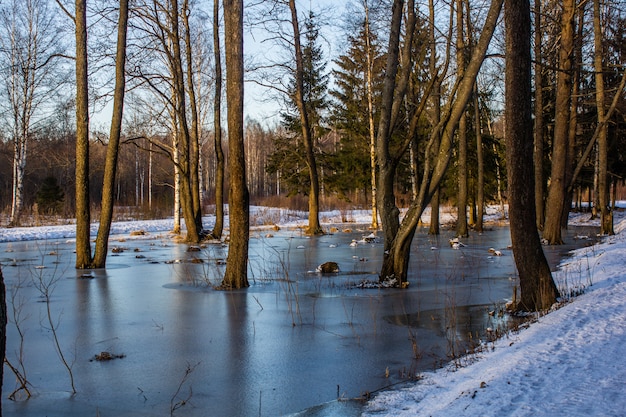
(557, 190)
(537, 288)
(217, 122)
(177, 175)
(480, 174)
(314, 227)
(110, 168)
(236, 274)
(194, 132)
(577, 64)
(397, 246)
(19, 167)
(591, 145)
(370, 114)
(83, 218)
(461, 226)
(185, 139)
(27, 48)
(435, 109)
(389, 212)
(606, 215)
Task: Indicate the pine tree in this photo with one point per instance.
(50, 195)
(350, 114)
(289, 157)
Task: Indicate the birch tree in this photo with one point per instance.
(30, 73)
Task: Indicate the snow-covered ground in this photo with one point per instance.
(569, 362)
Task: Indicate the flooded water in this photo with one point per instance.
(294, 343)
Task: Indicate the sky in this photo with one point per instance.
(568, 362)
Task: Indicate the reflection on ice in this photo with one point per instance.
(295, 340)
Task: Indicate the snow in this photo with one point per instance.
(568, 362)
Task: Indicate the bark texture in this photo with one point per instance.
(314, 227)
(217, 122)
(537, 288)
(236, 274)
(557, 190)
(110, 167)
(83, 217)
(398, 240)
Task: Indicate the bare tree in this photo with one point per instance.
(167, 78)
(83, 216)
(436, 75)
(461, 47)
(399, 236)
(557, 190)
(194, 134)
(28, 48)
(537, 288)
(314, 227)
(236, 274)
(370, 112)
(110, 168)
(606, 215)
(217, 123)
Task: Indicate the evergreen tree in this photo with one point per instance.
(350, 114)
(50, 195)
(289, 157)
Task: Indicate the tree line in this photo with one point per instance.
(409, 113)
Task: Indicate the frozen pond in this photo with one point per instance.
(294, 342)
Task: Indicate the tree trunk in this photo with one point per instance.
(314, 227)
(218, 227)
(539, 124)
(110, 168)
(3, 331)
(606, 216)
(386, 169)
(538, 291)
(83, 219)
(194, 134)
(186, 149)
(19, 167)
(177, 175)
(236, 275)
(398, 252)
(436, 110)
(461, 225)
(370, 116)
(557, 190)
(480, 174)
(577, 64)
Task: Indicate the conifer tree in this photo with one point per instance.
(289, 157)
(350, 113)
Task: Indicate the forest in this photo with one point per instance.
(379, 104)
